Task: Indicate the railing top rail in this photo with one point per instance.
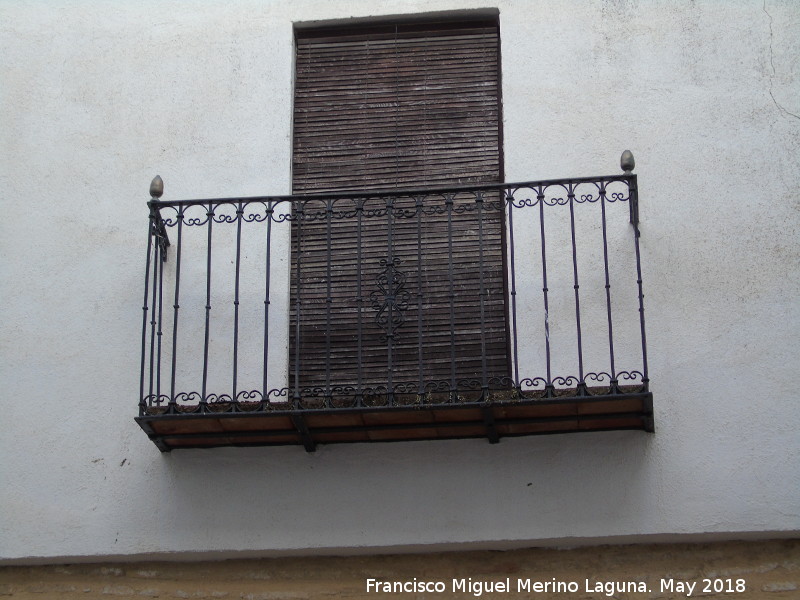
(394, 192)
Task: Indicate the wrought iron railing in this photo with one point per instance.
(273, 303)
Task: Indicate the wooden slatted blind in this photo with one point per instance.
(398, 106)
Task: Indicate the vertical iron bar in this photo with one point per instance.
(449, 203)
(540, 198)
(328, 301)
(420, 299)
(390, 216)
(264, 385)
(608, 289)
(239, 213)
(513, 292)
(297, 304)
(484, 373)
(634, 199)
(159, 333)
(390, 301)
(210, 215)
(176, 308)
(360, 305)
(150, 228)
(156, 260)
(576, 286)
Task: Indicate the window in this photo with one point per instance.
(386, 289)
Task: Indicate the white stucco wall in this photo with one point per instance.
(97, 97)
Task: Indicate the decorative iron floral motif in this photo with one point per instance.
(391, 297)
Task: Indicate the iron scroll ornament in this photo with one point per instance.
(391, 297)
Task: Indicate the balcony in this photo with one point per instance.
(483, 311)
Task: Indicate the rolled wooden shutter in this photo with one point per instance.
(398, 106)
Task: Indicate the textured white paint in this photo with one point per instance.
(97, 97)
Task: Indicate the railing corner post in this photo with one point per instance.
(159, 230)
(627, 163)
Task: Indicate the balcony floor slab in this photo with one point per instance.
(229, 425)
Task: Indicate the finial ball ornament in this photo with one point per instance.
(626, 161)
(157, 187)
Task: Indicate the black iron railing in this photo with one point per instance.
(472, 294)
